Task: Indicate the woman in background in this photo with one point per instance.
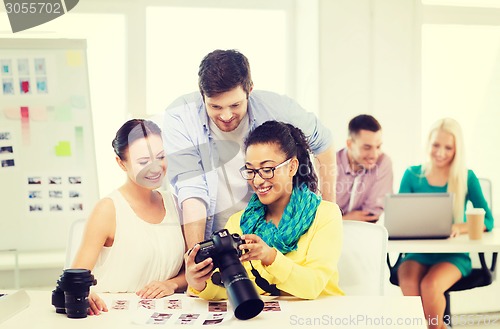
(133, 241)
(430, 275)
(291, 237)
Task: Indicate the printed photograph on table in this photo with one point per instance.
(159, 318)
(173, 304)
(8, 86)
(8, 163)
(147, 304)
(120, 304)
(273, 306)
(217, 307)
(188, 318)
(214, 318)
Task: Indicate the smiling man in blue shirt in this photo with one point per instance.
(204, 132)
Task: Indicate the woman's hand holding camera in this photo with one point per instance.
(257, 249)
(197, 274)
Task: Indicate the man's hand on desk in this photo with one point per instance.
(361, 215)
(97, 305)
(157, 289)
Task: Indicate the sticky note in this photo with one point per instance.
(74, 58)
(63, 149)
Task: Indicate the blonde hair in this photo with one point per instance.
(457, 178)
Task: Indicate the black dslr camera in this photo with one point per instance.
(224, 250)
(72, 291)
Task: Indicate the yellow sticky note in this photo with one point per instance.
(74, 58)
(63, 149)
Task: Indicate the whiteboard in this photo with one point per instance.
(48, 175)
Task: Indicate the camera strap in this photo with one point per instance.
(259, 281)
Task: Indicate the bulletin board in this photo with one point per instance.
(48, 175)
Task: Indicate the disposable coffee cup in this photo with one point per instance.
(475, 222)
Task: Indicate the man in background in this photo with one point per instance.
(364, 172)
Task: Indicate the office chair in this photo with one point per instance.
(362, 261)
(479, 277)
(74, 240)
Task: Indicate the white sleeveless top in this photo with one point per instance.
(141, 252)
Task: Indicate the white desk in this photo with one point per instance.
(332, 312)
(489, 243)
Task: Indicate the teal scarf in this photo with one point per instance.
(297, 218)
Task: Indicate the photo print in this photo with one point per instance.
(35, 180)
(272, 306)
(8, 163)
(217, 307)
(35, 194)
(77, 207)
(35, 207)
(159, 318)
(24, 85)
(6, 66)
(120, 304)
(40, 68)
(6, 149)
(55, 180)
(187, 318)
(173, 304)
(23, 66)
(148, 304)
(75, 179)
(55, 194)
(41, 85)
(8, 86)
(56, 207)
(74, 194)
(4, 135)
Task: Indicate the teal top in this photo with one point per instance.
(414, 182)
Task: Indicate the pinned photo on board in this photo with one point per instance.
(23, 66)
(40, 68)
(41, 85)
(6, 149)
(75, 179)
(35, 180)
(55, 180)
(55, 194)
(6, 66)
(8, 163)
(56, 207)
(8, 86)
(74, 194)
(5, 135)
(24, 85)
(35, 194)
(77, 207)
(36, 207)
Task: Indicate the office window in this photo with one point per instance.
(178, 39)
(461, 79)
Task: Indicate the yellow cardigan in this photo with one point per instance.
(308, 272)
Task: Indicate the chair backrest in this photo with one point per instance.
(487, 191)
(74, 240)
(363, 259)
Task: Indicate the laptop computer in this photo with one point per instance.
(418, 215)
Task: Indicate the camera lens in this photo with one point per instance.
(58, 300)
(76, 286)
(240, 289)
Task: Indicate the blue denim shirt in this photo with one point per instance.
(192, 152)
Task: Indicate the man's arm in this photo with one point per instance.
(327, 169)
(194, 214)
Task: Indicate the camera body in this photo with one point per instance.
(224, 250)
(221, 242)
(71, 293)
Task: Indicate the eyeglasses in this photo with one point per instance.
(264, 172)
